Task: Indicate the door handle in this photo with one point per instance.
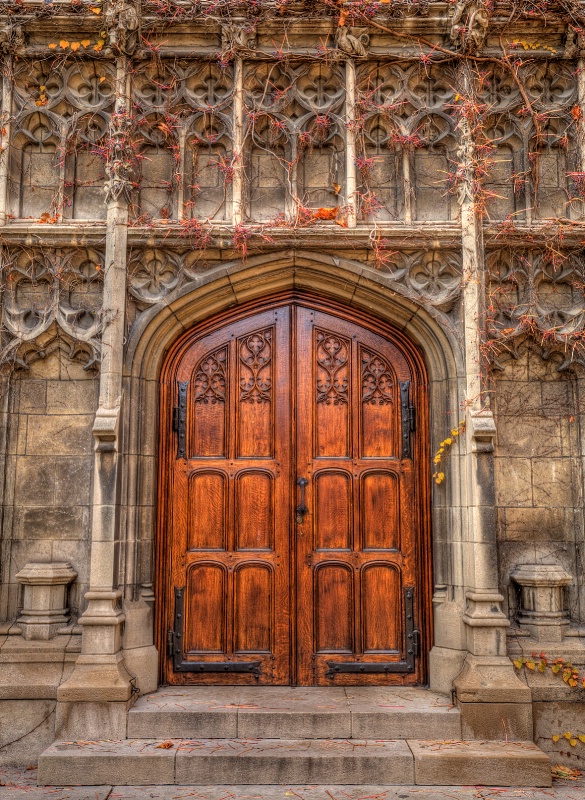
(301, 509)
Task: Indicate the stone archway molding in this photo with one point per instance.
(469, 650)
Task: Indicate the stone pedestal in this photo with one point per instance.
(542, 610)
(44, 608)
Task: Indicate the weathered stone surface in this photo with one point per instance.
(22, 785)
(444, 763)
(186, 712)
(496, 721)
(386, 713)
(134, 762)
(27, 727)
(294, 713)
(293, 761)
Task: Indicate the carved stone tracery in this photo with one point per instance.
(529, 294)
(58, 290)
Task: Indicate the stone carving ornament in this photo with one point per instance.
(353, 41)
(431, 276)
(11, 38)
(469, 25)
(122, 20)
(120, 163)
(46, 290)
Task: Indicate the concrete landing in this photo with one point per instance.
(277, 712)
(278, 761)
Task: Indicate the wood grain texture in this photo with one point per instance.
(278, 391)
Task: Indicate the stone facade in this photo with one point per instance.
(182, 164)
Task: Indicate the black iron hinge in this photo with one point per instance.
(170, 642)
(180, 419)
(408, 413)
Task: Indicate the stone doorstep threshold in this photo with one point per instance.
(284, 712)
(188, 762)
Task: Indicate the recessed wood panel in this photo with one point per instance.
(253, 598)
(207, 508)
(255, 394)
(333, 608)
(332, 384)
(378, 403)
(333, 510)
(210, 394)
(254, 512)
(379, 510)
(205, 628)
(381, 608)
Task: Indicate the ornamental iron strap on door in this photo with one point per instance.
(412, 649)
(176, 649)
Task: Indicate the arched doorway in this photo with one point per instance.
(293, 510)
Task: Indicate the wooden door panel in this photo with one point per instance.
(356, 553)
(231, 506)
(267, 398)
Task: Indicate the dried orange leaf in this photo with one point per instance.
(63, 44)
(75, 46)
(85, 42)
(52, 46)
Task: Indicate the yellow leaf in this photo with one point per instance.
(541, 666)
(99, 45)
(85, 42)
(518, 664)
(449, 441)
(454, 432)
(530, 664)
(581, 738)
(95, 10)
(556, 737)
(63, 44)
(52, 46)
(567, 735)
(572, 742)
(75, 46)
(440, 477)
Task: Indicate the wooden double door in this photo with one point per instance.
(292, 519)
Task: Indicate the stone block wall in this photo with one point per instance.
(538, 472)
(49, 460)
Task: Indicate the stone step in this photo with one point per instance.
(284, 712)
(210, 762)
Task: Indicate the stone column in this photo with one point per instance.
(350, 166)
(493, 701)
(93, 702)
(5, 127)
(238, 156)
